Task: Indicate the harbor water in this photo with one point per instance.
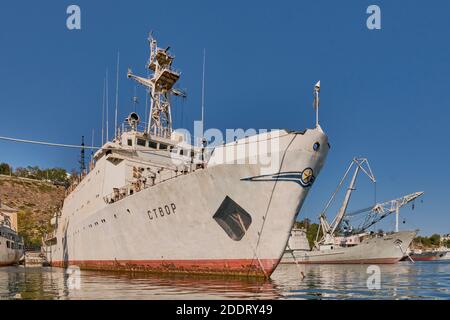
(421, 280)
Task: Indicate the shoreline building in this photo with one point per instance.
(8, 216)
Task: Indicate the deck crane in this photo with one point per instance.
(381, 210)
(328, 230)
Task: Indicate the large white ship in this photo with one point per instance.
(152, 202)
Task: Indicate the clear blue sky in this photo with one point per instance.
(385, 93)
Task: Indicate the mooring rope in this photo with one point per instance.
(270, 201)
(48, 143)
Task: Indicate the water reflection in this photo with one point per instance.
(422, 280)
(53, 283)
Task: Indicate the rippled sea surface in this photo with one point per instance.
(421, 280)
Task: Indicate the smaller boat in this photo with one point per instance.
(428, 255)
(11, 244)
(358, 249)
(340, 243)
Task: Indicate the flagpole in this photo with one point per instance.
(316, 102)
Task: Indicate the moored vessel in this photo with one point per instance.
(428, 255)
(154, 202)
(364, 249)
(11, 244)
(340, 244)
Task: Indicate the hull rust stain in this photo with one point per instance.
(244, 267)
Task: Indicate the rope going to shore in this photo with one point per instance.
(268, 206)
(48, 143)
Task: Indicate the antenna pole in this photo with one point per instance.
(317, 111)
(203, 93)
(317, 102)
(103, 112)
(107, 106)
(92, 144)
(117, 93)
(397, 208)
(82, 160)
(135, 99)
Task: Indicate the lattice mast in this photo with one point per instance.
(329, 230)
(160, 86)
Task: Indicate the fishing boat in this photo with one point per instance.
(155, 202)
(341, 244)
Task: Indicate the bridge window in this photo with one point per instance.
(162, 146)
(153, 145)
(141, 142)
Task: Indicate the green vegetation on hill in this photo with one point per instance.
(57, 175)
(311, 230)
(36, 201)
(428, 242)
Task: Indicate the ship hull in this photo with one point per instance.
(384, 250)
(177, 226)
(8, 257)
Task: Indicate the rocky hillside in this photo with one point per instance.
(36, 202)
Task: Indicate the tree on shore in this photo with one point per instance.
(34, 172)
(432, 241)
(311, 230)
(5, 169)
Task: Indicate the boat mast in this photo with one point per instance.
(362, 164)
(117, 96)
(338, 219)
(317, 102)
(203, 97)
(160, 86)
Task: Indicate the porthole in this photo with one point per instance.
(316, 146)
